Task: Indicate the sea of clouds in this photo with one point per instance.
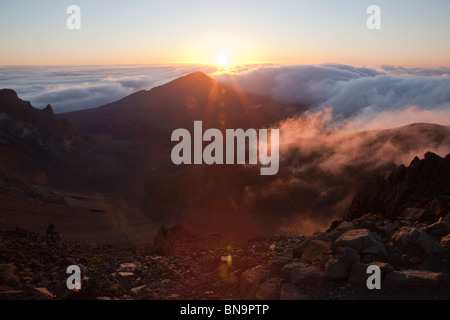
(76, 88)
(359, 97)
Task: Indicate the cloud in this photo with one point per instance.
(442, 72)
(324, 164)
(356, 128)
(349, 91)
(76, 88)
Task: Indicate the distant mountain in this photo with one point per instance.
(150, 114)
(20, 123)
(39, 149)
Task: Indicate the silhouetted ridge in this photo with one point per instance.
(154, 114)
(422, 190)
(20, 122)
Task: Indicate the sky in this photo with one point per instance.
(414, 33)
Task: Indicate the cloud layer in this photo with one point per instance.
(331, 150)
(352, 91)
(76, 88)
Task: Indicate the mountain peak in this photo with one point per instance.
(197, 75)
(195, 78)
(22, 123)
(49, 110)
(8, 95)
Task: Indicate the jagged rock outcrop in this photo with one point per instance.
(420, 191)
(21, 123)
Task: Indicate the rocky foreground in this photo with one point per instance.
(414, 260)
(408, 238)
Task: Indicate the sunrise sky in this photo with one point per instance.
(414, 32)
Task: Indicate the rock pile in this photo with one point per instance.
(401, 224)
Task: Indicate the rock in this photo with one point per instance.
(358, 272)
(51, 235)
(339, 266)
(130, 267)
(233, 278)
(411, 237)
(359, 239)
(290, 291)
(445, 242)
(269, 290)
(345, 225)
(278, 263)
(440, 228)
(49, 110)
(137, 290)
(421, 185)
(301, 273)
(413, 278)
(307, 276)
(153, 285)
(164, 241)
(412, 213)
(371, 250)
(8, 275)
(251, 280)
(42, 294)
(367, 221)
(316, 252)
(126, 274)
(298, 250)
(415, 260)
(385, 228)
(103, 298)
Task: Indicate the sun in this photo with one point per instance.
(223, 60)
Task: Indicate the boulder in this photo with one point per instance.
(251, 279)
(290, 291)
(413, 278)
(269, 290)
(300, 273)
(278, 263)
(440, 228)
(345, 225)
(359, 239)
(339, 266)
(411, 237)
(316, 252)
(367, 221)
(298, 250)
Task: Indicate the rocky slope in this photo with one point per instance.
(401, 224)
(413, 256)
